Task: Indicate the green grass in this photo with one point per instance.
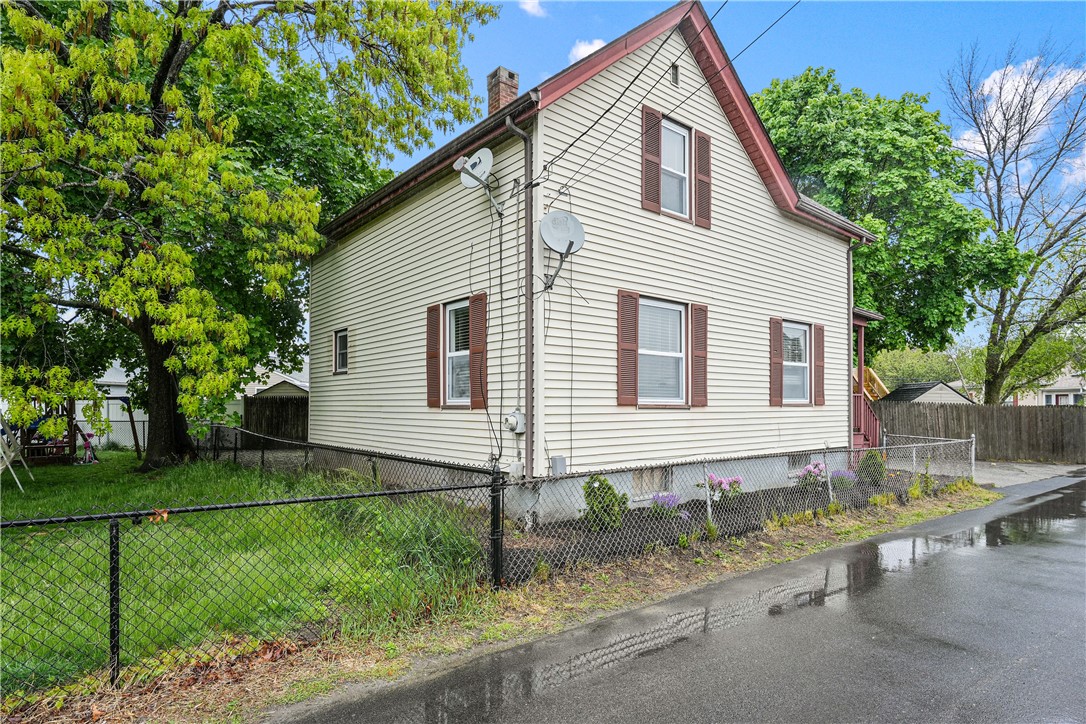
(227, 577)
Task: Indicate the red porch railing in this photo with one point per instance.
(865, 426)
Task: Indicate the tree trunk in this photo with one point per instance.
(168, 440)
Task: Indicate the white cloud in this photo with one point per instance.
(1020, 100)
(1074, 173)
(584, 47)
(533, 8)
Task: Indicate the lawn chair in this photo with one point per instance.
(10, 451)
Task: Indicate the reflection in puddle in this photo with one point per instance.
(477, 691)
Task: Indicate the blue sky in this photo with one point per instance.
(881, 47)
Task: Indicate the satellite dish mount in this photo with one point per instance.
(474, 172)
(563, 234)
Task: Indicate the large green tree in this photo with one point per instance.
(890, 165)
(1023, 120)
(163, 169)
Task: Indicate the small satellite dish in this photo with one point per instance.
(474, 170)
(561, 232)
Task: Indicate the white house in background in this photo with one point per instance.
(1068, 389)
(708, 313)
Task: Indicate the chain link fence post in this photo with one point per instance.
(496, 516)
(114, 601)
(973, 457)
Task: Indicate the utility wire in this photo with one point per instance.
(575, 141)
(727, 65)
(641, 100)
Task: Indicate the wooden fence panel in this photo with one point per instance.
(285, 416)
(1045, 434)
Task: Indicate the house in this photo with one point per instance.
(285, 388)
(927, 392)
(1068, 389)
(709, 311)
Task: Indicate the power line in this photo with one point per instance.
(727, 65)
(634, 106)
(575, 141)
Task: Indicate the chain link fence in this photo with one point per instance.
(562, 520)
(351, 542)
(121, 597)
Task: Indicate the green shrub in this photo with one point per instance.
(604, 505)
(711, 531)
(872, 469)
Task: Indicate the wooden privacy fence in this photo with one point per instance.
(285, 416)
(1046, 434)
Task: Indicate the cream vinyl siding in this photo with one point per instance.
(377, 283)
(753, 264)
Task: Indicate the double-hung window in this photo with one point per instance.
(674, 168)
(457, 347)
(339, 352)
(661, 352)
(456, 353)
(676, 164)
(797, 366)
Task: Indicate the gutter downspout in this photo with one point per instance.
(529, 305)
(859, 373)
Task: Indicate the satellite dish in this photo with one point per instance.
(474, 170)
(561, 232)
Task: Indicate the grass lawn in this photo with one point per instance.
(218, 580)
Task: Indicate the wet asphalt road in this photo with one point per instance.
(980, 617)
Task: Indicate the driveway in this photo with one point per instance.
(974, 617)
(1002, 474)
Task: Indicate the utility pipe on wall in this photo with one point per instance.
(529, 305)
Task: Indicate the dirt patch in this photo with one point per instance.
(240, 687)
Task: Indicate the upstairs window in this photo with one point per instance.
(674, 180)
(674, 162)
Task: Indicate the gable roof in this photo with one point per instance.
(699, 34)
(912, 391)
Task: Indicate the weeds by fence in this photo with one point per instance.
(373, 543)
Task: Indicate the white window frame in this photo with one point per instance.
(806, 366)
(681, 354)
(337, 349)
(449, 354)
(665, 170)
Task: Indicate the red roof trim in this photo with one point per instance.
(557, 86)
(711, 57)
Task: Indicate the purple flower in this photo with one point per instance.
(669, 501)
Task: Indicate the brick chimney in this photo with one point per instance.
(501, 88)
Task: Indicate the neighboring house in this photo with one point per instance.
(708, 313)
(285, 388)
(927, 392)
(1068, 389)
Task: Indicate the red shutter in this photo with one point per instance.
(703, 180)
(477, 349)
(776, 362)
(699, 349)
(627, 347)
(818, 384)
(651, 140)
(433, 355)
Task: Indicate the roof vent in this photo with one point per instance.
(501, 88)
